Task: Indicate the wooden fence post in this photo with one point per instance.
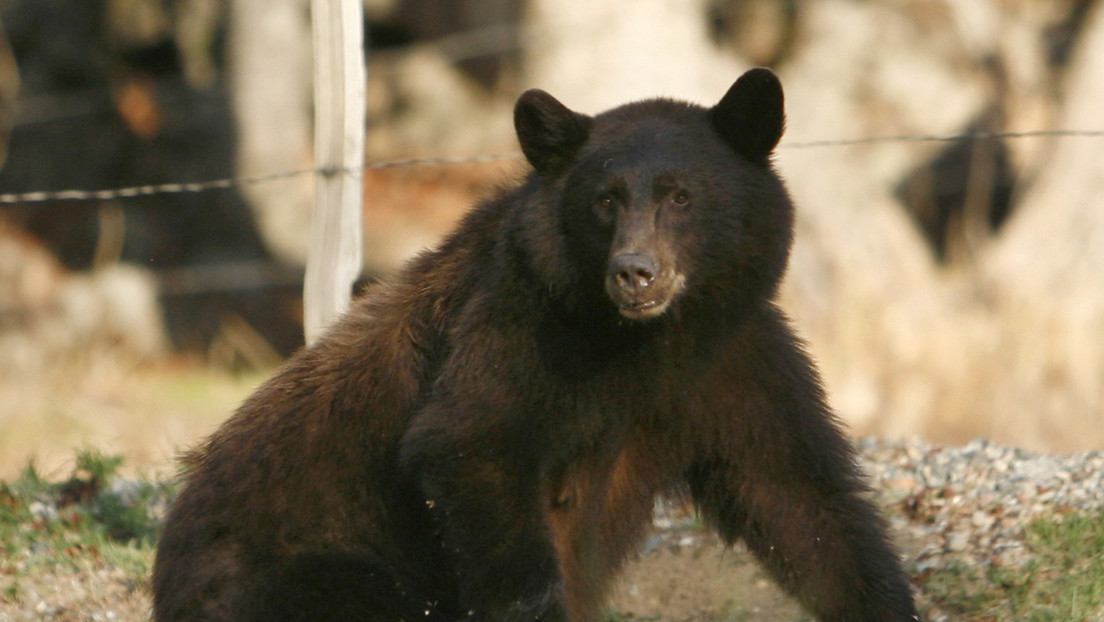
(334, 258)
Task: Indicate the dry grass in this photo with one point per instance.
(145, 412)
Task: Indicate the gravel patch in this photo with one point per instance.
(970, 505)
(973, 501)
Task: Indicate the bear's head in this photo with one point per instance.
(658, 207)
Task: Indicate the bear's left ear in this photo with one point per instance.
(549, 132)
(750, 117)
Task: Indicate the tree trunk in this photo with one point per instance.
(270, 59)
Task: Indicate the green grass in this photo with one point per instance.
(1063, 580)
(1069, 567)
(88, 518)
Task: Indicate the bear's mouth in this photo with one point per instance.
(663, 295)
(644, 309)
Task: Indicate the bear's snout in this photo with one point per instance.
(639, 287)
(633, 273)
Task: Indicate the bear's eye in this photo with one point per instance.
(605, 207)
(681, 197)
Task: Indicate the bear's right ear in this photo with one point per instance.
(750, 116)
(549, 132)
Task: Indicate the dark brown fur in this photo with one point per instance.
(483, 436)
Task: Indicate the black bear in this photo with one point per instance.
(483, 436)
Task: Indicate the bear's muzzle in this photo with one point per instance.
(639, 287)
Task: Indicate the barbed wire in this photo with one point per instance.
(11, 198)
(41, 196)
(947, 138)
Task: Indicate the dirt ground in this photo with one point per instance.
(688, 575)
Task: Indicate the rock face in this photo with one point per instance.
(1045, 268)
(949, 287)
(608, 55)
(51, 319)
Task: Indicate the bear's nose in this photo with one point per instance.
(633, 272)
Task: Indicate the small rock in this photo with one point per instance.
(958, 542)
(981, 519)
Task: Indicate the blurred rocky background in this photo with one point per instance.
(947, 275)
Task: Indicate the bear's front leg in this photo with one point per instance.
(482, 488)
(826, 548)
(773, 469)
